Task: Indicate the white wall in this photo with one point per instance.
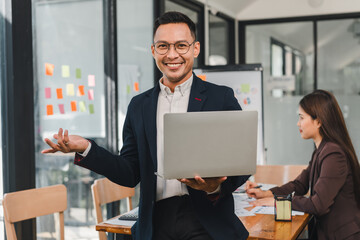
(263, 9)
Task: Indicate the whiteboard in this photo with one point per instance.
(246, 81)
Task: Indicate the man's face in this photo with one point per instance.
(176, 68)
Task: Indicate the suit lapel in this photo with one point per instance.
(197, 97)
(149, 116)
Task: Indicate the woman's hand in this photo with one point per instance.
(257, 193)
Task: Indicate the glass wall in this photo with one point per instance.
(286, 53)
(135, 61)
(218, 40)
(339, 68)
(69, 93)
(2, 75)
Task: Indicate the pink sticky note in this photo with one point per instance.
(91, 80)
(61, 108)
(47, 92)
(91, 94)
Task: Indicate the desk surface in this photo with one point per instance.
(261, 226)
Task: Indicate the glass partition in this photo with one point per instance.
(339, 68)
(286, 53)
(135, 61)
(69, 93)
(218, 40)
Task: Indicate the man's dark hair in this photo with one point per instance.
(175, 17)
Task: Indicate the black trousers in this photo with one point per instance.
(175, 219)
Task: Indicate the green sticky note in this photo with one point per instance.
(82, 106)
(128, 89)
(78, 73)
(91, 108)
(245, 88)
(65, 71)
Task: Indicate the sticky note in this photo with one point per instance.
(49, 69)
(65, 71)
(91, 80)
(73, 106)
(59, 93)
(81, 91)
(70, 89)
(136, 86)
(245, 88)
(128, 89)
(78, 73)
(82, 106)
(91, 94)
(49, 110)
(91, 108)
(47, 92)
(61, 108)
(202, 77)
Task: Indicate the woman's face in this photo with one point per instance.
(308, 127)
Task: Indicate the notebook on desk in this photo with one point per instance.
(209, 144)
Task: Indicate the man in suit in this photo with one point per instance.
(192, 209)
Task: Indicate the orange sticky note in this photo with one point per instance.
(81, 91)
(136, 86)
(49, 110)
(202, 77)
(49, 69)
(59, 93)
(73, 106)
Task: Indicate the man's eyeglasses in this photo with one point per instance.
(181, 47)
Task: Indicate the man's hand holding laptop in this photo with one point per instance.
(208, 185)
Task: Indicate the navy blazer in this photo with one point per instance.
(137, 162)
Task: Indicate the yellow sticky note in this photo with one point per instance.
(65, 71)
(70, 89)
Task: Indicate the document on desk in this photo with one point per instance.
(241, 201)
(270, 210)
(116, 221)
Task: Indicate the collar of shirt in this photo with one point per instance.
(182, 88)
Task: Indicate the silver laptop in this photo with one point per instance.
(209, 144)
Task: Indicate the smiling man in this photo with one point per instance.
(185, 209)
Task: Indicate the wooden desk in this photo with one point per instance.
(261, 226)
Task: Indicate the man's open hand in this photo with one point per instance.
(66, 143)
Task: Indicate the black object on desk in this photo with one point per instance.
(131, 215)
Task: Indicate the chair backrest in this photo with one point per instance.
(277, 174)
(32, 203)
(104, 191)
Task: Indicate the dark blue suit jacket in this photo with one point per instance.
(137, 162)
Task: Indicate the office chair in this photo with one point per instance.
(104, 191)
(22, 205)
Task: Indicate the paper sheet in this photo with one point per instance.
(116, 221)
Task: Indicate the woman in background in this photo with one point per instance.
(333, 174)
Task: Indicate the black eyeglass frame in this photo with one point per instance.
(169, 45)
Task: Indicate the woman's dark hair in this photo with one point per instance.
(322, 105)
(175, 17)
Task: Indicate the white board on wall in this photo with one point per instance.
(246, 81)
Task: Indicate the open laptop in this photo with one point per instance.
(209, 144)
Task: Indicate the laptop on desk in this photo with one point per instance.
(209, 144)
